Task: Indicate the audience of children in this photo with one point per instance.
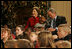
(20, 34)
(39, 38)
(45, 39)
(64, 33)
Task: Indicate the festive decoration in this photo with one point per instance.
(9, 8)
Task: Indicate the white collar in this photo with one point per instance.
(55, 17)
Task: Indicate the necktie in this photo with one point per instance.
(54, 23)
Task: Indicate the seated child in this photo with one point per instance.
(45, 39)
(64, 33)
(34, 39)
(19, 33)
(5, 35)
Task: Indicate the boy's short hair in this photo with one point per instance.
(21, 27)
(65, 27)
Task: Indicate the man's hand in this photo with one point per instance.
(51, 29)
(54, 36)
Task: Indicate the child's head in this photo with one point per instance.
(63, 44)
(19, 30)
(4, 33)
(33, 36)
(63, 30)
(43, 38)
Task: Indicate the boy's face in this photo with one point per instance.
(61, 32)
(4, 35)
(18, 30)
(33, 37)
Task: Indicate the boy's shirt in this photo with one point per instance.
(68, 37)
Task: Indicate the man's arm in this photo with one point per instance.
(63, 20)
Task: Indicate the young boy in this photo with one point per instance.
(64, 33)
(20, 34)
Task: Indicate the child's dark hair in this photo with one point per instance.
(21, 26)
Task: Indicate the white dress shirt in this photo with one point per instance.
(52, 23)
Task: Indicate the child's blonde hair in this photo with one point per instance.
(64, 44)
(65, 28)
(33, 33)
(45, 39)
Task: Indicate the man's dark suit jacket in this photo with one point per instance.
(59, 20)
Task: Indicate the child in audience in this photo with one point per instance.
(5, 35)
(19, 33)
(64, 33)
(45, 40)
(34, 39)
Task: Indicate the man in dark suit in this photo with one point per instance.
(55, 20)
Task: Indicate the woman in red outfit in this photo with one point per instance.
(34, 19)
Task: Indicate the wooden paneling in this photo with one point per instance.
(63, 8)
